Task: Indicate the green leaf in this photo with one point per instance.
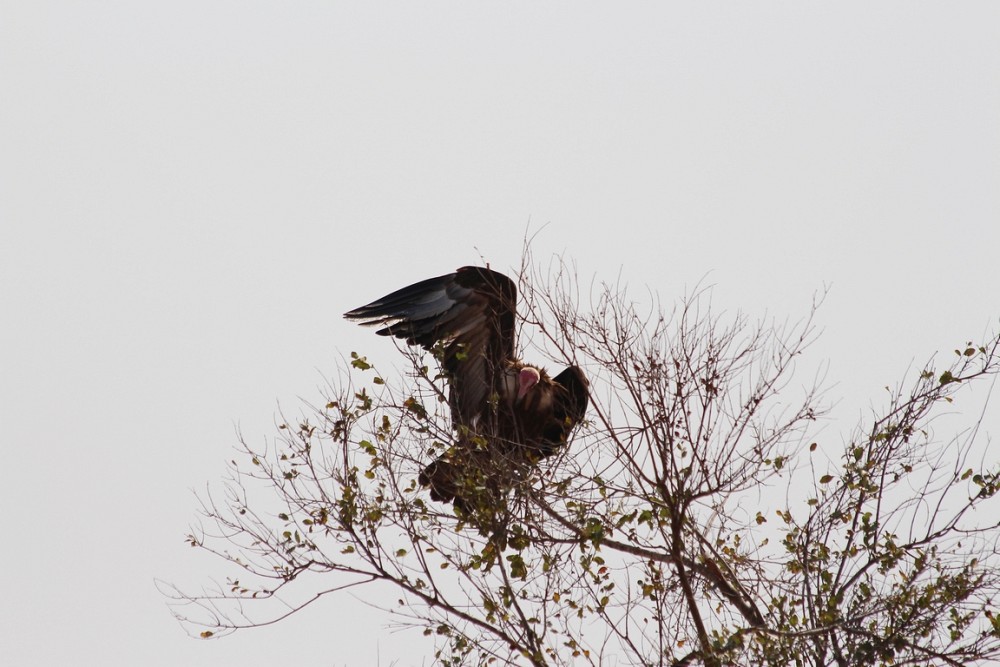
(517, 567)
(826, 479)
(414, 406)
(361, 363)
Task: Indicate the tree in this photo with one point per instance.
(692, 520)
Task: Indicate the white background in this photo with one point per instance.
(191, 193)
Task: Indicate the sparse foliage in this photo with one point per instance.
(693, 520)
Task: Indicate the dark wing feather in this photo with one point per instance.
(577, 389)
(471, 313)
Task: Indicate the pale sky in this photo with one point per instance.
(191, 193)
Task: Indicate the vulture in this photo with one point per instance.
(507, 415)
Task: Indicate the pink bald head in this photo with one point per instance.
(526, 379)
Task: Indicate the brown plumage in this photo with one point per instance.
(507, 414)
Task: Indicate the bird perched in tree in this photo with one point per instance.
(507, 414)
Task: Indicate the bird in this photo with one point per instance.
(507, 415)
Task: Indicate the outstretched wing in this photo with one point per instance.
(470, 313)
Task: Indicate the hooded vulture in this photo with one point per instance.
(507, 414)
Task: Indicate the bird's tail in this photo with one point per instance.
(472, 480)
(441, 475)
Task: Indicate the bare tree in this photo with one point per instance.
(692, 520)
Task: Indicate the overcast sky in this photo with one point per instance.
(191, 193)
